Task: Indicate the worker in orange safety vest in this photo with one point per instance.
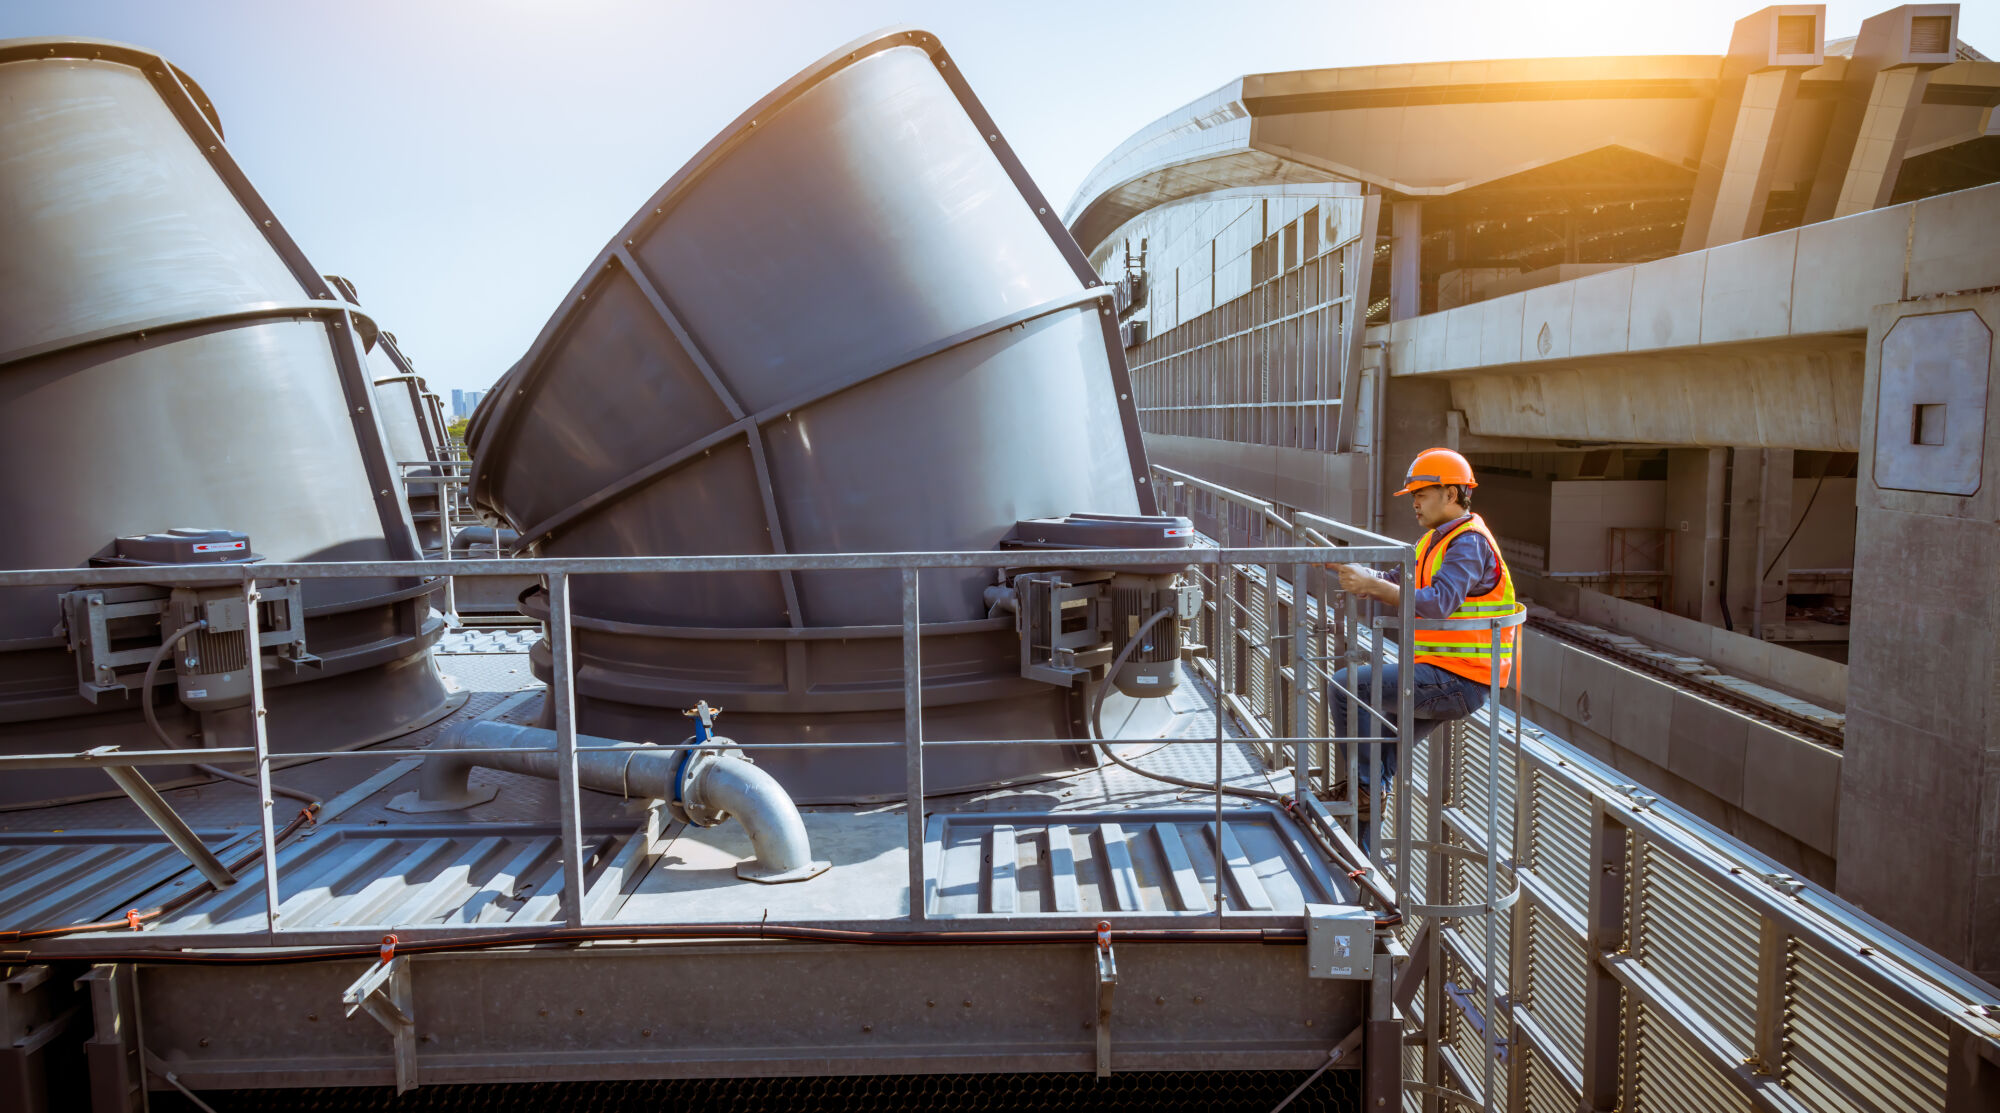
(1459, 575)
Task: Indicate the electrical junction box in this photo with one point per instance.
(1340, 941)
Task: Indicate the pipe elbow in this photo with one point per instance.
(729, 785)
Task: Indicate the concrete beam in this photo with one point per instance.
(1755, 343)
(1804, 394)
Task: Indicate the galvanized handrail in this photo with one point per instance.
(560, 627)
(1642, 957)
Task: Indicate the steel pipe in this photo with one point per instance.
(702, 785)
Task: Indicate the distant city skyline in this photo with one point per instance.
(462, 163)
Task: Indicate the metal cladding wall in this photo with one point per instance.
(850, 324)
(169, 358)
(412, 423)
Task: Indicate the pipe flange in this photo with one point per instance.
(687, 805)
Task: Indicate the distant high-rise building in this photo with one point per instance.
(457, 403)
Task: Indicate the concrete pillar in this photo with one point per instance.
(1760, 507)
(1919, 838)
(1417, 417)
(1694, 518)
(1880, 92)
(1406, 258)
(1753, 104)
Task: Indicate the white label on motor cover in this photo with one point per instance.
(1149, 680)
(197, 693)
(218, 546)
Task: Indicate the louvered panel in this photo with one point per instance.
(1930, 34)
(1838, 1027)
(1560, 836)
(1703, 942)
(1470, 747)
(1466, 884)
(1463, 1037)
(1547, 1092)
(1555, 989)
(1669, 1074)
(1413, 1068)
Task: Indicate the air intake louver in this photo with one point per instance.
(1798, 34)
(1930, 34)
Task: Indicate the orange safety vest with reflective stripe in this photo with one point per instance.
(1467, 653)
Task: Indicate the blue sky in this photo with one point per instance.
(462, 162)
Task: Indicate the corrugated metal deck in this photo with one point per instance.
(1104, 842)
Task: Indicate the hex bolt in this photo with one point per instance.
(865, 1028)
(541, 1012)
(930, 1004)
(967, 1002)
(312, 1016)
(204, 1041)
(579, 1012)
(645, 1031)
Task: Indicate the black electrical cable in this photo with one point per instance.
(1308, 823)
(1097, 726)
(153, 720)
(642, 932)
(1795, 532)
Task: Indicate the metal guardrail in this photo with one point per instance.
(1641, 959)
(557, 573)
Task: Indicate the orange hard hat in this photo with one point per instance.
(1437, 467)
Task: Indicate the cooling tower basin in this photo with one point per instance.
(168, 359)
(850, 324)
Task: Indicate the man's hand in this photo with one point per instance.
(1356, 580)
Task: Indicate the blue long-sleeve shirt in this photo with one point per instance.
(1470, 568)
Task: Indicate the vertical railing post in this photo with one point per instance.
(913, 743)
(260, 738)
(1517, 935)
(1301, 687)
(1221, 709)
(1605, 935)
(1372, 767)
(1773, 973)
(1406, 749)
(1490, 974)
(562, 687)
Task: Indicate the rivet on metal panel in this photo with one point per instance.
(360, 409)
(211, 148)
(1044, 212)
(992, 139)
(645, 1031)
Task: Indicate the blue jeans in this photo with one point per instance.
(1439, 698)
